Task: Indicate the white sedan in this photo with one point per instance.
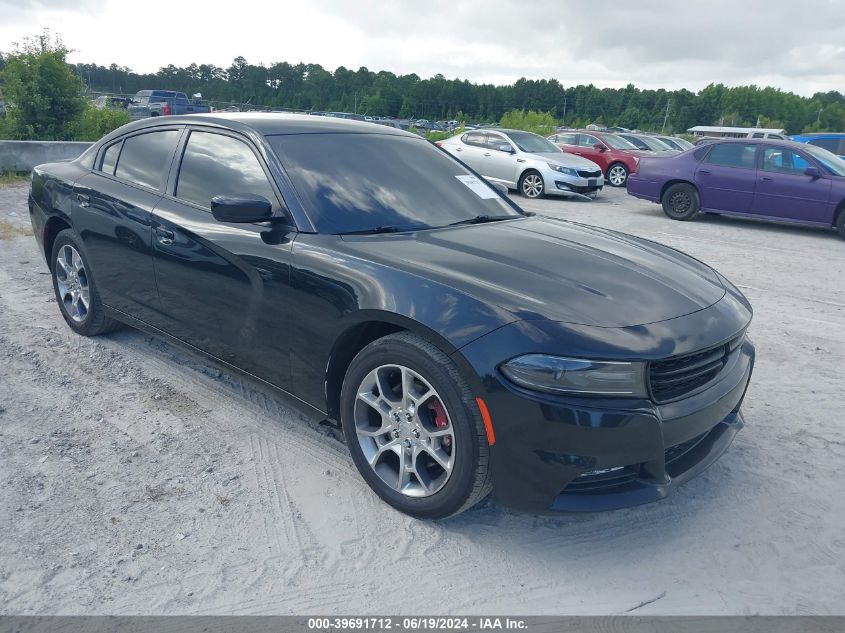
(527, 162)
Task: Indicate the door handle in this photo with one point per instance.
(84, 201)
(486, 153)
(766, 178)
(459, 149)
(165, 236)
(520, 160)
(703, 172)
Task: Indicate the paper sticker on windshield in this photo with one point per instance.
(481, 189)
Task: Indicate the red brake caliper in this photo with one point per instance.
(441, 421)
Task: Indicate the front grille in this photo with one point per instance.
(672, 378)
(674, 452)
(596, 481)
(585, 173)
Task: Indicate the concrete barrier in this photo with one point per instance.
(24, 155)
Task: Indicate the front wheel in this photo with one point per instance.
(680, 202)
(531, 185)
(413, 428)
(617, 175)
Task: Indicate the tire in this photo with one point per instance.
(531, 185)
(382, 428)
(681, 202)
(840, 223)
(73, 285)
(617, 175)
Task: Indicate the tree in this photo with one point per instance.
(42, 91)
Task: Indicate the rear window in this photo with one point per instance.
(146, 157)
(830, 144)
(733, 155)
(358, 182)
(110, 158)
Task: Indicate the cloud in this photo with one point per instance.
(797, 47)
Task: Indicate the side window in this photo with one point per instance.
(567, 139)
(496, 142)
(830, 144)
(145, 158)
(215, 164)
(586, 140)
(732, 155)
(110, 158)
(776, 136)
(700, 152)
(784, 161)
(478, 139)
(758, 135)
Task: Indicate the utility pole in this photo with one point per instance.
(819, 117)
(564, 110)
(666, 117)
(356, 102)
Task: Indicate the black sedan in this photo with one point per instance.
(373, 279)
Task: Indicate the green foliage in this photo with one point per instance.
(42, 91)
(442, 136)
(94, 123)
(542, 123)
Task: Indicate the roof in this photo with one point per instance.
(734, 130)
(271, 123)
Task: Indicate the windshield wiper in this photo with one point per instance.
(388, 228)
(481, 219)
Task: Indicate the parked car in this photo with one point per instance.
(614, 155)
(370, 278)
(647, 143)
(674, 142)
(526, 162)
(151, 103)
(112, 102)
(778, 180)
(832, 142)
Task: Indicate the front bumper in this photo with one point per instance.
(577, 454)
(560, 184)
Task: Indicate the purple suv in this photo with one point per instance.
(775, 180)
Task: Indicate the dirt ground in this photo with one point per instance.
(137, 479)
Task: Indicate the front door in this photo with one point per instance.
(727, 177)
(501, 163)
(785, 191)
(223, 286)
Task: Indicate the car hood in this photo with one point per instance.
(542, 268)
(566, 159)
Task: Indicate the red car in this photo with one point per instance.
(616, 156)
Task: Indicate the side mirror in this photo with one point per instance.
(813, 172)
(600, 147)
(505, 148)
(241, 208)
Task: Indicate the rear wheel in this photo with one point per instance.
(840, 223)
(76, 292)
(617, 175)
(531, 185)
(680, 202)
(413, 428)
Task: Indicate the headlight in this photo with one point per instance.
(556, 374)
(564, 170)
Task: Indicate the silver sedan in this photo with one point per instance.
(526, 162)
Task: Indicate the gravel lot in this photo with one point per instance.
(139, 479)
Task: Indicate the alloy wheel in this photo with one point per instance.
(72, 282)
(617, 175)
(404, 430)
(532, 185)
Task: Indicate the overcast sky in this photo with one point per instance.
(795, 45)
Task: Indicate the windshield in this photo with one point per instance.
(830, 161)
(682, 143)
(655, 144)
(532, 143)
(617, 142)
(362, 182)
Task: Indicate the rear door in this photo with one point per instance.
(727, 177)
(785, 191)
(224, 286)
(472, 149)
(119, 196)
